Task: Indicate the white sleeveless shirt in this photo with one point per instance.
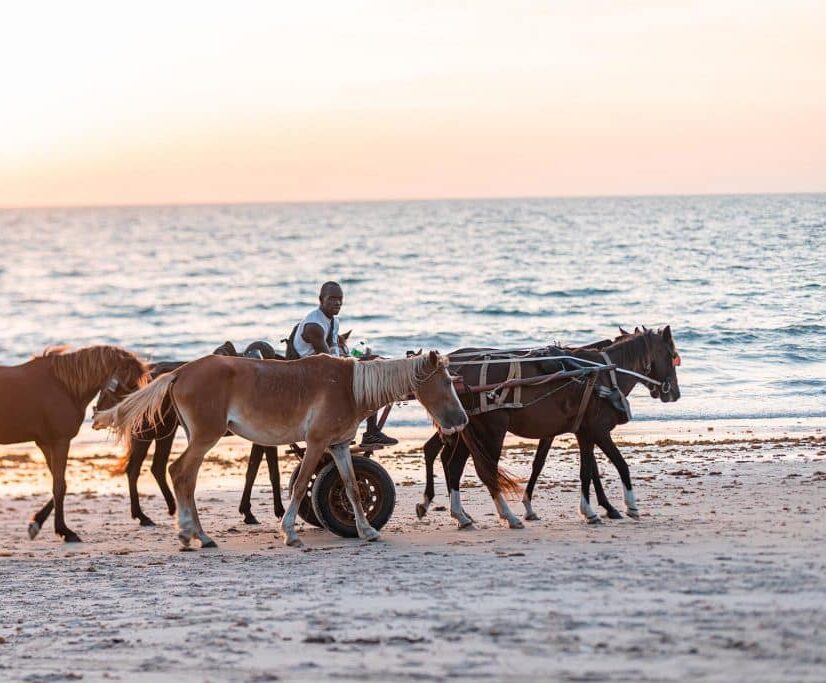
(303, 348)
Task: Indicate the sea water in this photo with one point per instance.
(740, 279)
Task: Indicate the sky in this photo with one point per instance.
(106, 103)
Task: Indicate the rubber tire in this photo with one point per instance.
(305, 508)
(328, 485)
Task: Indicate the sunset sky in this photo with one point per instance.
(192, 102)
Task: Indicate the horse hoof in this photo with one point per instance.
(532, 517)
(633, 514)
(250, 519)
(293, 542)
(614, 514)
(279, 513)
(371, 535)
(145, 521)
(421, 510)
(594, 520)
(71, 537)
(515, 524)
(34, 529)
(184, 537)
(466, 524)
(186, 549)
(209, 544)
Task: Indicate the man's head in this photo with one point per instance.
(330, 298)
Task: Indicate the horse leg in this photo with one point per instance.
(454, 466)
(60, 454)
(271, 454)
(137, 454)
(256, 454)
(431, 451)
(586, 467)
(309, 464)
(538, 465)
(602, 499)
(184, 472)
(344, 463)
(39, 519)
(491, 435)
(607, 445)
(163, 447)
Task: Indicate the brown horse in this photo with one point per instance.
(547, 413)
(45, 401)
(320, 400)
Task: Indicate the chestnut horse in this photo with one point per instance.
(320, 400)
(548, 413)
(163, 434)
(45, 401)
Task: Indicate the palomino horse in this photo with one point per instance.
(546, 414)
(320, 400)
(45, 401)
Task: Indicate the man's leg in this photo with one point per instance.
(373, 436)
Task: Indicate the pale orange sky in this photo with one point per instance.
(191, 102)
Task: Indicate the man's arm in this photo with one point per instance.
(314, 335)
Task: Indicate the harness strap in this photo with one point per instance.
(514, 373)
(613, 375)
(583, 404)
(483, 379)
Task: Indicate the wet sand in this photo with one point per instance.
(722, 579)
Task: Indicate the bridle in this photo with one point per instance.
(657, 386)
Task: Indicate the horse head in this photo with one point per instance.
(125, 374)
(663, 360)
(435, 391)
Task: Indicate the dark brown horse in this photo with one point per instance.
(436, 446)
(45, 401)
(549, 412)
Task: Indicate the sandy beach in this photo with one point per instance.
(722, 579)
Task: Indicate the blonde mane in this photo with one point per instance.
(379, 382)
(85, 370)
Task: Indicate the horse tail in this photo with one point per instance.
(123, 461)
(137, 411)
(496, 478)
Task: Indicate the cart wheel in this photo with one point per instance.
(332, 507)
(305, 508)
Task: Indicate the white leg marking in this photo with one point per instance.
(457, 512)
(344, 463)
(529, 513)
(505, 512)
(587, 511)
(186, 526)
(288, 522)
(631, 503)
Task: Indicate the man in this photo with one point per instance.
(318, 333)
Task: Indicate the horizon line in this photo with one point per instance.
(285, 202)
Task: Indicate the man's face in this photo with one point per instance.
(331, 301)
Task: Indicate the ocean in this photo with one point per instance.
(740, 279)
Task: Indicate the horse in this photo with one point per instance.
(163, 434)
(320, 400)
(651, 357)
(435, 446)
(45, 401)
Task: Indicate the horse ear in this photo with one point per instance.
(667, 334)
(433, 358)
(346, 335)
(623, 332)
(637, 329)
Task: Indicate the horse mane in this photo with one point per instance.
(86, 369)
(379, 382)
(627, 350)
